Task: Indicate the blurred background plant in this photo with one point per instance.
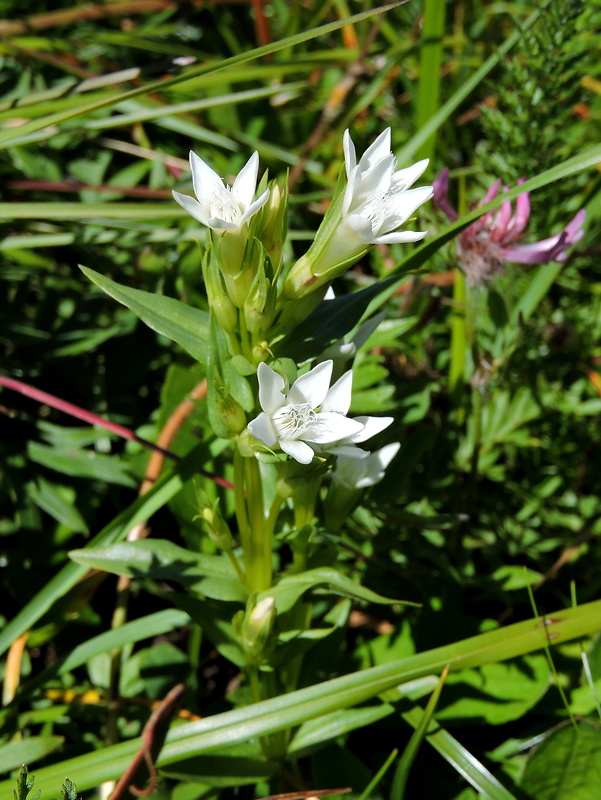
(496, 392)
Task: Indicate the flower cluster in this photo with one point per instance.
(490, 241)
(252, 298)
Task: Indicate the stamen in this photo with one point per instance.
(292, 420)
(224, 206)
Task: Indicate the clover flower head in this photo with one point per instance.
(306, 417)
(359, 473)
(490, 241)
(220, 207)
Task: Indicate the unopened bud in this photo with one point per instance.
(230, 412)
(217, 528)
(257, 626)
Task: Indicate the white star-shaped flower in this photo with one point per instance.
(220, 207)
(377, 199)
(359, 473)
(308, 416)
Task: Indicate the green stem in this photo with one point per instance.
(240, 506)
(258, 571)
(429, 70)
(458, 332)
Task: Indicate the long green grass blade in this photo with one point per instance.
(430, 62)
(401, 774)
(475, 773)
(8, 138)
(292, 709)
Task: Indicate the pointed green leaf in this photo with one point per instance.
(292, 587)
(212, 576)
(567, 764)
(187, 326)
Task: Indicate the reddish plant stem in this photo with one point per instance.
(94, 419)
(153, 736)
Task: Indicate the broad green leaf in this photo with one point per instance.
(187, 326)
(292, 587)
(59, 502)
(86, 464)
(140, 510)
(212, 576)
(294, 708)
(27, 751)
(567, 764)
(496, 693)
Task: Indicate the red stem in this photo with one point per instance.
(94, 419)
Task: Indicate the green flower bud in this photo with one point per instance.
(274, 228)
(253, 628)
(230, 412)
(221, 305)
(216, 527)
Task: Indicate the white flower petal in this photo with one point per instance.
(361, 227)
(401, 237)
(262, 428)
(348, 451)
(350, 156)
(300, 451)
(245, 183)
(404, 178)
(384, 456)
(254, 207)
(339, 395)
(312, 387)
(204, 179)
(330, 427)
(378, 150)
(221, 224)
(371, 426)
(192, 206)
(271, 388)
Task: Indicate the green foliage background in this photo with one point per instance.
(497, 486)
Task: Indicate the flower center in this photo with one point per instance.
(224, 205)
(292, 420)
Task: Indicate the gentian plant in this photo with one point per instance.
(299, 459)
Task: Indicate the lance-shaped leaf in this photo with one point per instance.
(187, 326)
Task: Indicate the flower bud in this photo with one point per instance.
(230, 412)
(221, 305)
(216, 527)
(253, 628)
(274, 226)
